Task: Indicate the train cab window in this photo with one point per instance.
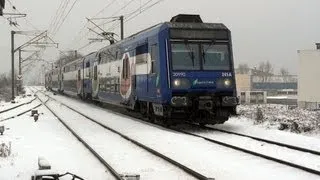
(215, 57)
(154, 53)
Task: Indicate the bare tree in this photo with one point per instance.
(265, 71)
(67, 57)
(285, 74)
(243, 68)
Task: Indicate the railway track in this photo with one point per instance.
(262, 140)
(15, 107)
(105, 163)
(281, 161)
(278, 160)
(188, 170)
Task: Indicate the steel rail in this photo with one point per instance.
(152, 151)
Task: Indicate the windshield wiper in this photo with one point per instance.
(191, 53)
(204, 52)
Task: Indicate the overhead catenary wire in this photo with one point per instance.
(55, 16)
(122, 8)
(60, 15)
(63, 17)
(102, 10)
(136, 12)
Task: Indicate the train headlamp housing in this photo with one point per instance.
(181, 83)
(225, 83)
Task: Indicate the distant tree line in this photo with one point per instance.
(67, 57)
(265, 70)
(5, 87)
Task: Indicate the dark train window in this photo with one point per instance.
(79, 74)
(99, 58)
(126, 68)
(95, 73)
(154, 53)
(142, 54)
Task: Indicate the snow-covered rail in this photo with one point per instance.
(197, 149)
(252, 152)
(19, 113)
(293, 147)
(12, 108)
(186, 169)
(109, 167)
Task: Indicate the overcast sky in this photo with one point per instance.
(262, 29)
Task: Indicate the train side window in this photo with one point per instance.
(79, 75)
(87, 69)
(124, 69)
(154, 53)
(142, 54)
(95, 72)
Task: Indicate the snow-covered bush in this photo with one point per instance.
(259, 115)
(5, 149)
(280, 116)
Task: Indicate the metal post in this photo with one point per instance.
(12, 65)
(20, 81)
(121, 27)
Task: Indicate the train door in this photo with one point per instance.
(95, 80)
(79, 82)
(141, 71)
(153, 81)
(63, 70)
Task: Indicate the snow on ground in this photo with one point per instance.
(47, 138)
(18, 100)
(122, 155)
(286, 154)
(293, 120)
(245, 126)
(207, 158)
(18, 110)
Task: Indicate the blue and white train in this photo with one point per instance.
(176, 71)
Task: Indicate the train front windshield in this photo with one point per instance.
(200, 56)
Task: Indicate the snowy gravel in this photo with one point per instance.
(121, 154)
(50, 139)
(207, 158)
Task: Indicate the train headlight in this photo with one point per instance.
(177, 82)
(181, 83)
(224, 83)
(227, 82)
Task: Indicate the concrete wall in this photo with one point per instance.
(243, 82)
(308, 78)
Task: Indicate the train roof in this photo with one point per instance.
(153, 30)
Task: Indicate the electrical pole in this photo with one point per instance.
(12, 65)
(121, 27)
(19, 77)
